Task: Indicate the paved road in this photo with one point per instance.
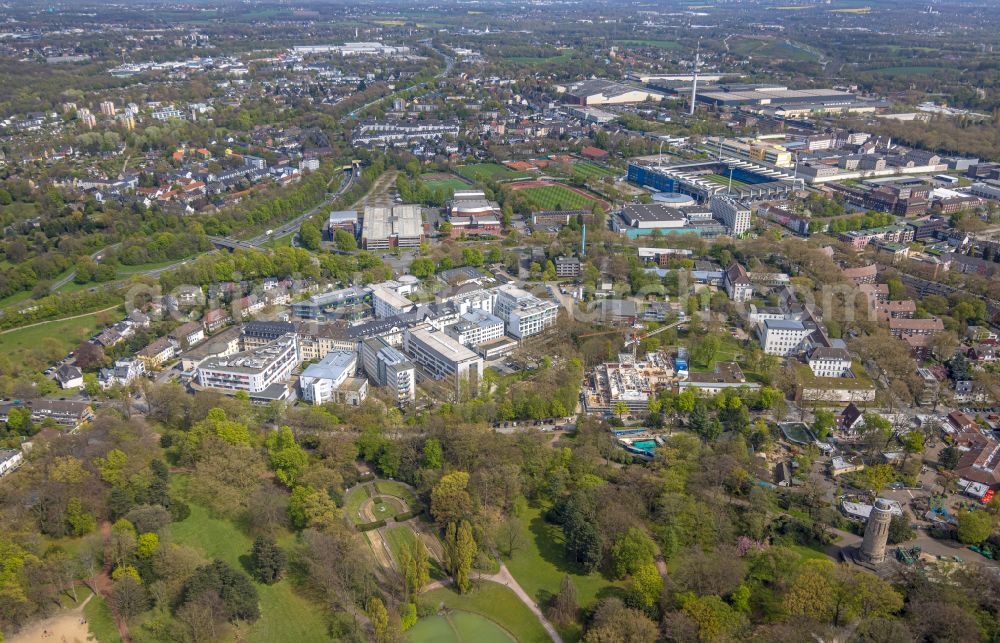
(280, 231)
(449, 62)
(62, 281)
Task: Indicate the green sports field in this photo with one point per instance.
(452, 184)
(490, 172)
(556, 197)
(584, 170)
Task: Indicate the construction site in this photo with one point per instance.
(628, 381)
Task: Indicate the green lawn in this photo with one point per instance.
(15, 298)
(385, 507)
(72, 286)
(458, 627)
(398, 489)
(397, 537)
(66, 334)
(489, 172)
(540, 565)
(285, 615)
(584, 170)
(536, 60)
(497, 603)
(353, 502)
(100, 622)
(452, 184)
(279, 242)
(556, 197)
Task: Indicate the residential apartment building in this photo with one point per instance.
(10, 459)
(830, 362)
(388, 367)
(156, 353)
(258, 371)
(332, 380)
(215, 319)
(387, 303)
(188, 334)
(863, 275)
(567, 267)
(733, 214)
(123, 373)
(905, 327)
(258, 334)
(784, 337)
(737, 283)
(476, 327)
(524, 314)
(318, 339)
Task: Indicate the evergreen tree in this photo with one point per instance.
(267, 560)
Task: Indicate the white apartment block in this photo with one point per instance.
(252, 371)
(332, 380)
(524, 314)
(10, 459)
(783, 337)
(830, 362)
(476, 327)
(733, 214)
(441, 356)
(386, 366)
(387, 303)
(465, 300)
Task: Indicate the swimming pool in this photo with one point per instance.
(645, 445)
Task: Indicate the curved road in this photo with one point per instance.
(449, 62)
(280, 231)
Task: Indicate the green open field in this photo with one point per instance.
(540, 565)
(497, 603)
(458, 627)
(452, 184)
(535, 60)
(490, 172)
(769, 49)
(285, 614)
(584, 170)
(556, 197)
(63, 335)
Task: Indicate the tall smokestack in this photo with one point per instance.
(694, 85)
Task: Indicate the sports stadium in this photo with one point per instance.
(704, 179)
